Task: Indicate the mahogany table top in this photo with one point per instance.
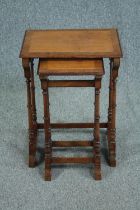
(71, 43)
(70, 67)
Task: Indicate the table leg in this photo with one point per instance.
(114, 66)
(32, 129)
(47, 127)
(97, 157)
(34, 115)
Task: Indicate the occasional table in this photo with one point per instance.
(71, 44)
(75, 67)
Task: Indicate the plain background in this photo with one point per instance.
(72, 186)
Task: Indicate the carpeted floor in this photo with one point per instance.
(72, 186)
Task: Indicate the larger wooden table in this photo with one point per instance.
(71, 43)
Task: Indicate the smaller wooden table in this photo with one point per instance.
(75, 68)
(72, 43)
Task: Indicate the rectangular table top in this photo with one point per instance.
(70, 67)
(71, 43)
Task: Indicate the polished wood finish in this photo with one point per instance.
(70, 67)
(33, 110)
(96, 151)
(72, 125)
(47, 125)
(82, 160)
(72, 143)
(114, 66)
(72, 43)
(47, 128)
(34, 115)
(28, 72)
(70, 83)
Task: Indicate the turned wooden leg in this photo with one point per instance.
(33, 102)
(97, 157)
(114, 66)
(110, 112)
(48, 143)
(32, 138)
(34, 115)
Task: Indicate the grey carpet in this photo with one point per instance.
(73, 187)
